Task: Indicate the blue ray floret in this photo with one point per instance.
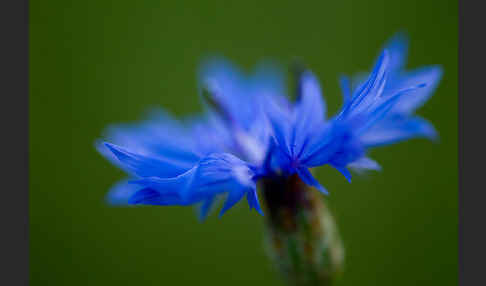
(251, 130)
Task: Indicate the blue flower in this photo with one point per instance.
(251, 130)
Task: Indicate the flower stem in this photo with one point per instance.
(301, 235)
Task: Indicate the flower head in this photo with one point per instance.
(251, 130)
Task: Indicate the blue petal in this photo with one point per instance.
(398, 50)
(177, 189)
(121, 192)
(396, 129)
(240, 95)
(212, 94)
(364, 163)
(430, 76)
(310, 100)
(326, 143)
(345, 172)
(205, 208)
(106, 152)
(268, 81)
(281, 124)
(276, 161)
(145, 166)
(335, 144)
(233, 197)
(253, 202)
(378, 112)
(158, 135)
(370, 90)
(346, 89)
(307, 177)
(310, 112)
(212, 136)
(148, 196)
(145, 195)
(213, 175)
(163, 138)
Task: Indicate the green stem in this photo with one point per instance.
(301, 235)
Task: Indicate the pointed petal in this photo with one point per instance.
(382, 107)
(311, 99)
(107, 154)
(148, 196)
(268, 79)
(205, 208)
(213, 175)
(233, 198)
(143, 195)
(345, 172)
(120, 193)
(144, 166)
(369, 90)
(280, 123)
(346, 89)
(180, 185)
(212, 95)
(253, 202)
(364, 163)
(396, 129)
(398, 49)
(309, 112)
(275, 160)
(326, 143)
(240, 95)
(430, 76)
(159, 136)
(307, 177)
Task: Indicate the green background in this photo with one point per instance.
(99, 62)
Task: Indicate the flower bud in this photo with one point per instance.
(301, 235)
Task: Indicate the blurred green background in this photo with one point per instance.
(99, 62)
